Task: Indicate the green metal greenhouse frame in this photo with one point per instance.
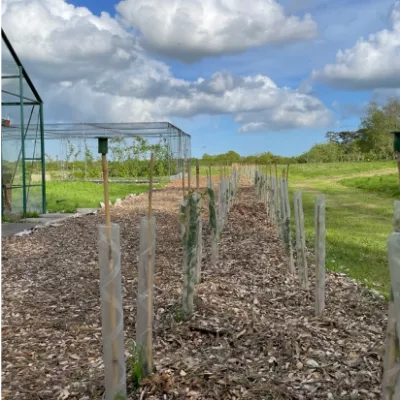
(21, 83)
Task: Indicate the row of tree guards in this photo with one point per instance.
(273, 191)
(190, 209)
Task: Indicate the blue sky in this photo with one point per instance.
(165, 67)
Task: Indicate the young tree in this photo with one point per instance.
(377, 125)
(70, 153)
(88, 158)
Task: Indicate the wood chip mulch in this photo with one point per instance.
(253, 336)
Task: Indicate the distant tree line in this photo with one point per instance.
(372, 141)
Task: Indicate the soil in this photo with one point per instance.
(253, 335)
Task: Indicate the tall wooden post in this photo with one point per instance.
(111, 295)
(391, 364)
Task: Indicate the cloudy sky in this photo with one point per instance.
(249, 76)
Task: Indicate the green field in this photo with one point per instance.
(387, 185)
(75, 195)
(359, 215)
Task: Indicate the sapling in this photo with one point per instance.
(300, 240)
(199, 232)
(286, 225)
(189, 216)
(215, 235)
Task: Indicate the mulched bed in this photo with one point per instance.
(253, 336)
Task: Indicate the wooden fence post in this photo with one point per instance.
(391, 364)
(319, 254)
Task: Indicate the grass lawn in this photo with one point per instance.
(85, 194)
(332, 170)
(358, 220)
(387, 185)
(302, 171)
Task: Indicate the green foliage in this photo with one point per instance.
(30, 214)
(135, 364)
(188, 217)
(178, 314)
(230, 157)
(377, 125)
(212, 212)
(327, 152)
(125, 160)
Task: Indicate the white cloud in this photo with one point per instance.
(371, 64)
(192, 30)
(89, 68)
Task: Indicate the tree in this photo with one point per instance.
(70, 153)
(377, 125)
(232, 156)
(326, 152)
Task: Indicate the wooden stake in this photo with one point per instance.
(183, 180)
(197, 175)
(149, 354)
(110, 266)
(106, 196)
(189, 165)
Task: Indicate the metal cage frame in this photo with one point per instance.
(122, 130)
(23, 131)
(23, 128)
